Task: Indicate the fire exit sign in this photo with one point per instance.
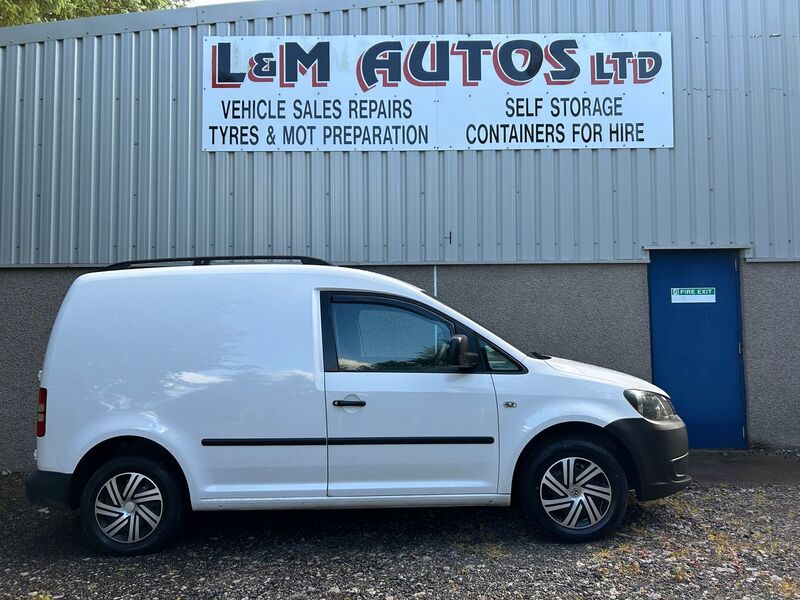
(693, 294)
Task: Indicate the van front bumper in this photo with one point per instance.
(660, 452)
(48, 488)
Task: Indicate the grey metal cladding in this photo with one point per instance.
(101, 160)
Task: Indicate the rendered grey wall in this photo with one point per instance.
(419, 276)
(29, 302)
(771, 321)
(590, 313)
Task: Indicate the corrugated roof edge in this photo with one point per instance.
(179, 17)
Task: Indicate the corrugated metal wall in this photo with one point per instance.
(101, 161)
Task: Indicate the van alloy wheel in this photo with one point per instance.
(575, 493)
(128, 507)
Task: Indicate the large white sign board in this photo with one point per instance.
(450, 92)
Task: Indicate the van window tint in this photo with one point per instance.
(383, 337)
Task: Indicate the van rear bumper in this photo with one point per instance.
(48, 488)
(661, 454)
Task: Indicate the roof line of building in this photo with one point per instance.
(179, 17)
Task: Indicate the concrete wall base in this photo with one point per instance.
(771, 323)
(591, 313)
(29, 302)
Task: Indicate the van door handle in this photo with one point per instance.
(349, 403)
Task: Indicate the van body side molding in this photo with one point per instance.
(349, 441)
(386, 441)
(263, 442)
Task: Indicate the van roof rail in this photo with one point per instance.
(207, 260)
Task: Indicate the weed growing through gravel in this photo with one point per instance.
(788, 588)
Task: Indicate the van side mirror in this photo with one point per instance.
(459, 354)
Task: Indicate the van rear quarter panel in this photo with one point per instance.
(192, 355)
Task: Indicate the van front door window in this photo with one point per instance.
(380, 337)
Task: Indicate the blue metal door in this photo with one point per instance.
(695, 324)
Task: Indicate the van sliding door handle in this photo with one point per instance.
(349, 403)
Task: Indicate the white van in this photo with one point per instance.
(303, 385)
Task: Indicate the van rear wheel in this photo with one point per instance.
(575, 489)
(131, 505)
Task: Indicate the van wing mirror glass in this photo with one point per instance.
(459, 354)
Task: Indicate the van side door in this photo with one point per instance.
(260, 412)
(401, 421)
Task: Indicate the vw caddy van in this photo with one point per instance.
(196, 385)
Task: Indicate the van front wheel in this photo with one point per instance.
(131, 505)
(575, 489)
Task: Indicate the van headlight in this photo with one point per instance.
(651, 405)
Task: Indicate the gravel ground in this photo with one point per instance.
(708, 541)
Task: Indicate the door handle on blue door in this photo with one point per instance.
(349, 403)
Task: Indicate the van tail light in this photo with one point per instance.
(41, 412)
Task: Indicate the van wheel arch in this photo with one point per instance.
(584, 430)
(128, 445)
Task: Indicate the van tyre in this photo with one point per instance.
(575, 489)
(132, 505)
